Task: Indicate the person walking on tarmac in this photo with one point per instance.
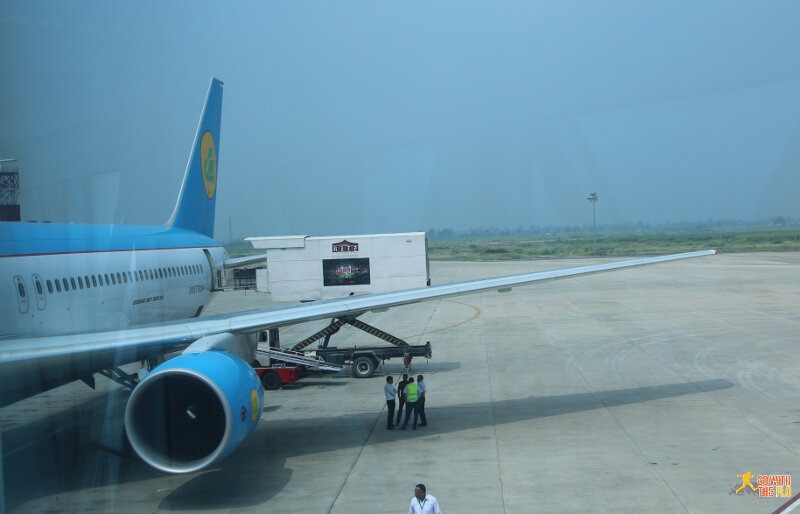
(412, 395)
(423, 503)
(421, 401)
(401, 391)
(391, 392)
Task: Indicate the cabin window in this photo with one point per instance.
(130, 277)
(49, 286)
(94, 281)
(58, 285)
(160, 272)
(72, 281)
(124, 277)
(66, 284)
(80, 282)
(86, 279)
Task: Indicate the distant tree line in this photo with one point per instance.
(533, 230)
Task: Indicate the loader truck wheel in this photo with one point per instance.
(363, 367)
(270, 380)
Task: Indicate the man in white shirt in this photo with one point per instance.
(391, 392)
(421, 401)
(423, 503)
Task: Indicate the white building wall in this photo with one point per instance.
(295, 273)
(262, 280)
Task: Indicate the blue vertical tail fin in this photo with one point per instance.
(195, 208)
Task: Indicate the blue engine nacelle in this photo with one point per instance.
(193, 410)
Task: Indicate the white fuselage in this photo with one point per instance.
(44, 295)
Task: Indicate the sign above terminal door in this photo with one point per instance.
(344, 246)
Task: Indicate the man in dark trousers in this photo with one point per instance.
(401, 391)
(391, 392)
(412, 395)
(421, 402)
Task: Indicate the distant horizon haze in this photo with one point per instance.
(374, 118)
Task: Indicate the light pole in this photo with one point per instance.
(593, 198)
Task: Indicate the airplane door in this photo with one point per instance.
(22, 296)
(41, 301)
(216, 277)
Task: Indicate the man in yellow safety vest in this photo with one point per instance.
(412, 395)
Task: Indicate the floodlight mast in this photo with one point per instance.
(593, 198)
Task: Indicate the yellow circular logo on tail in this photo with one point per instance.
(208, 163)
(254, 405)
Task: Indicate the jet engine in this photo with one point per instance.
(193, 410)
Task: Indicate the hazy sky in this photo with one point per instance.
(356, 117)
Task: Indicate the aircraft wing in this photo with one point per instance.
(352, 305)
(83, 354)
(249, 260)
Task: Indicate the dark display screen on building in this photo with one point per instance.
(345, 272)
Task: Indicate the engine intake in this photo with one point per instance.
(193, 410)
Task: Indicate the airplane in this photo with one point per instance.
(78, 299)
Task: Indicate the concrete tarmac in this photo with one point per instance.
(643, 390)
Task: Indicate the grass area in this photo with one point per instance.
(576, 244)
(615, 244)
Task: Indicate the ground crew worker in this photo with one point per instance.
(407, 363)
(421, 402)
(401, 391)
(412, 395)
(391, 392)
